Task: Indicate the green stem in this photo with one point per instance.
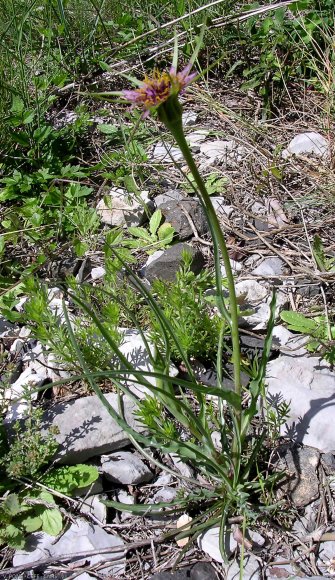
(176, 128)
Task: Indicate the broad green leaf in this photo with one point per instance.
(21, 137)
(52, 521)
(276, 173)
(155, 220)
(31, 523)
(107, 129)
(42, 133)
(80, 247)
(46, 496)
(141, 233)
(68, 478)
(28, 117)
(299, 322)
(17, 105)
(166, 233)
(13, 536)
(12, 504)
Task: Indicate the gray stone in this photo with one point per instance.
(125, 468)
(167, 265)
(203, 571)
(272, 266)
(169, 195)
(166, 153)
(181, 466)
(164, 495)
(189, 118)
(178, 575)
(261, 225)
(307, 383)
(86, 429)
(216, 439)
(282, 334)
(252, 291)
(300, 465)
(208, 542)
(307, 289)
(37, 547)
(98, 273)
(6, 327)
(123, 208)
(195, 138)
(163, 479)
(235, 266)
(123, 497)
(80, 537)
(251, 569)
(176, 212)
(326, 555)
(304, 525)
(218, 150)
(328, 461)
(134, 349)
(151, 259)
(257, 539)
(15, 395)
(258, 208)
(16, 347)
(93, 505)
(281, 571)
(56, 370)
(307, 143)
(223, 210)
(256, 297)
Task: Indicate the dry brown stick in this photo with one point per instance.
(122, 552)
(194, 229)
(280, 254)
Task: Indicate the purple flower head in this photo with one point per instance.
(159, 87)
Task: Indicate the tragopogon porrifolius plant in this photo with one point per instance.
(177, 411)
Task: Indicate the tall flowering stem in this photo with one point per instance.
(159, 94)
(170, 113)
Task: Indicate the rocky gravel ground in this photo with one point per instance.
(268, 225)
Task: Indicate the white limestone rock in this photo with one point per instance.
(134, 349)
(308, 384)
(251, 569)
(80, 537)
(93, 505)
(208, 542)
(120, 208)
(86, 429)
(98, 273)
(257, 297)
(221, 151)
(195, 138)
(307, 143)
(189, 118)
(272, 266)
(166, 153)
(125, 468)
